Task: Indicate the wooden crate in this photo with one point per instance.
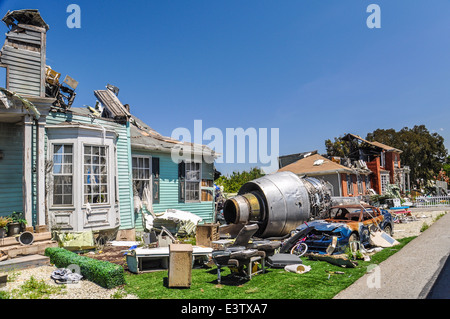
(206, 234)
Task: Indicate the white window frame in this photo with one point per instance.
(71, 174)
(382, 159)
(396, 160)
(107, 177)
(349, 184)
(198, 182)
(368, 186)
(148, 170)
(359, 184)
(384, 181)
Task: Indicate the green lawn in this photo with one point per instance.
(274, 284)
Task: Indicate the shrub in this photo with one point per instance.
(103, 273)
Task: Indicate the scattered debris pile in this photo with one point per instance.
(63, 92)
(177, 222)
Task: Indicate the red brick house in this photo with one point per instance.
(384, 162)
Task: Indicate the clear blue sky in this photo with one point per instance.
(313, 69)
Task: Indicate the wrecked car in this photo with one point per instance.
(345, 224)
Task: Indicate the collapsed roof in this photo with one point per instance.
(379, 145)
(142, 136)
(9, 99)
(113, 107)
(25, 16)
(318, 165)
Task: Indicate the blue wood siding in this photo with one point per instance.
(11, 168)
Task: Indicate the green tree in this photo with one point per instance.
(337, 148)
(232, 183)
(423, 152)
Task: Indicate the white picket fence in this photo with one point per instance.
(435, 201)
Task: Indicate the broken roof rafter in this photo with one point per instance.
(112, 103)
(349, 137)
(25, 16)
(7, 98)
(318, 165)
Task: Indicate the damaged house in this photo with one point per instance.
(345, 180)
(368, 168)
(162, 182)
(78, 169)
(384, 162)
(23, 110)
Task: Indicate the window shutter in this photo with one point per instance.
(181, 179)
(155, 173)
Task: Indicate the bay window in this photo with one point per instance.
(83, 194)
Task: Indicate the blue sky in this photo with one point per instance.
(313, 69)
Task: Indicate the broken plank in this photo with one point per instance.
(338, 260)
(32, 27)
(24, 262)
(21, 52)
(23, 38)
(33, 249)
(15, 240)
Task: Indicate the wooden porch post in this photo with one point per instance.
(40, 171)
(27, 169)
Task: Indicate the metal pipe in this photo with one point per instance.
(278, 203)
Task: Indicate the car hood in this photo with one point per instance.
(322, 225)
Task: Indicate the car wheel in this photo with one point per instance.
(353, 237)
(388, 230)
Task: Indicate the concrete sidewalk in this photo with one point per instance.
(411, 272)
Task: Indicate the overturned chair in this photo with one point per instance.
(239, 255)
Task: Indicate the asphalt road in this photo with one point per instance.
(441, 288)
(419, 271)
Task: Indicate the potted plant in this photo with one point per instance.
(4, 221)
(19, 217)
(17, 223)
